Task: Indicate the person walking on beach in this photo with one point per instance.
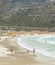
(27, 51)
(34, 50)
(11, 50)
(0, 38)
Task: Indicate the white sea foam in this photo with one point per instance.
(4, 37)
(44, 44)
(4, 51)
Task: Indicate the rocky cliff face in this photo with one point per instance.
(9, 5)
(5, 6)
(27, 13)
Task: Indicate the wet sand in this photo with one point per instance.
(21, 57)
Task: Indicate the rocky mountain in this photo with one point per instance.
(8, 5)
(27, 13)
(30, 1)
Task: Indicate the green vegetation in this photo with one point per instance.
(41, 16)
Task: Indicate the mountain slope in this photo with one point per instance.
(8, 5)
(15, 14)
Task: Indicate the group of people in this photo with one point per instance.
(27, 50)
(33, 50)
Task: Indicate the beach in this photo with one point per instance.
(19, 55)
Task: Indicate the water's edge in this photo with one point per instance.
(44, 44)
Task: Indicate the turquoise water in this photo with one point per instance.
(42, 43)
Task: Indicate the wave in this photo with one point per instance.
(42, 43)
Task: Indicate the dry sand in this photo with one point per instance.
(20, 55)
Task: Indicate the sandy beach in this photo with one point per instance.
(19, 55)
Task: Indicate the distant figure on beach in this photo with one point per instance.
(0, 38)
(11, 50)
(34, 50)
(27, 51)
(6, 38)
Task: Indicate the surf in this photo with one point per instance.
(44, 44)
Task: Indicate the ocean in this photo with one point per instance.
(44, 44)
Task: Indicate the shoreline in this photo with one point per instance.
(17, 33)
(41, 56)
(21, 55)
(31, 49)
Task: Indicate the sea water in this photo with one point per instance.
(44, 44)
